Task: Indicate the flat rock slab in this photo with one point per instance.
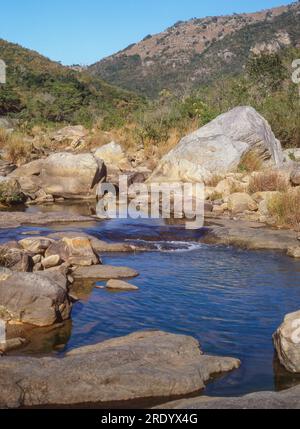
(104, 272)
(141, 365)
(16, 219)
(288, 399)
(249, 235)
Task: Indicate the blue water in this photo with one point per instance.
(231, 300)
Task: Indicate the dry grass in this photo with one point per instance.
(268, 181)
(16, 149)
(214, 180)
(250, 162)
(285, 208)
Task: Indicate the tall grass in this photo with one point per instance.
(268, 181)
(285, 208)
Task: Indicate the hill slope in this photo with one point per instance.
(198, 51)
(40, 90)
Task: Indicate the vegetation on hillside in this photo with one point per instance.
(42, 91)
(187, 68)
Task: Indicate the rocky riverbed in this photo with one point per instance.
(144, 246)
(89, 305)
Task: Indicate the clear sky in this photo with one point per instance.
(84, 31)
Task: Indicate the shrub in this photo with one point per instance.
(268, 181)
(285, 208)
(10, 193)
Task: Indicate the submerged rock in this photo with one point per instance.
(294, 252)
(120, 285)
(219, 146)
(287, 342)
(141, 365)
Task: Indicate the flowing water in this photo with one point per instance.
(231, 300)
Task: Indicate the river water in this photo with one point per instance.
(231, 300)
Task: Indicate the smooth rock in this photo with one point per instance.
(287, 342)
(120, 285)
(104, 272)
(70, 176)
(141, 365)
(35, 299)
(218, 147)
(51, 261)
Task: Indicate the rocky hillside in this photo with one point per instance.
(198, 51)
(40, 90)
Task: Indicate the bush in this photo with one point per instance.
(285, 208)
(268, 181)
(10, 193)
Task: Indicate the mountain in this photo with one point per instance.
(40, 90)
(198, 51)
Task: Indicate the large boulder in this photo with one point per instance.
(287, 342)
(62, 174)
(141, 365)
(70, 176)
(219, 146)
(36, 299)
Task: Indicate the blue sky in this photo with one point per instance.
(83, 31)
